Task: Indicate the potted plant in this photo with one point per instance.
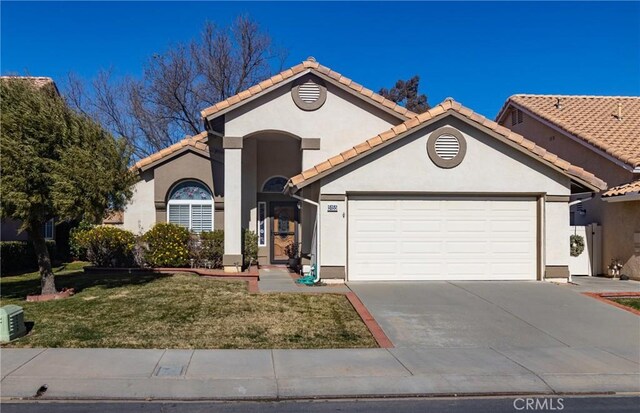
(292, 252)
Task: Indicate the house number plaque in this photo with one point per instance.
(332, 208)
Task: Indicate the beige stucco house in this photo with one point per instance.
(602, 135)
(364, 187)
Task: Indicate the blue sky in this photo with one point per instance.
(478, 53)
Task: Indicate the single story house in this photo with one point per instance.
(363, 187)
(601, 134)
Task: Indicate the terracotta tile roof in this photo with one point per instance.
(610, 123)
(196, 141)
(449, 105)
(630, 188)
(114, 218)
(311, 65)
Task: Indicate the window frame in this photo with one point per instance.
(191, 202)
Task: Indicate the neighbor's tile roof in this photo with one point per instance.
(631, 187)
(309, 64)
(115, 217)
(196, 141)
(447, 105)
(594, 119)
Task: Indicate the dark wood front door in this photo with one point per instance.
(284, 229)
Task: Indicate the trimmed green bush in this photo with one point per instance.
(250, 247)
(167, 246)
(76, 247)
(108, 246)
(20, 255)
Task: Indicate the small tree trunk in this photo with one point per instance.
(47, 280)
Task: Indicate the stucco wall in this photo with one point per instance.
(489, 166)
(556, 241)
(334, 234)
(139, 214)
(620, 221)
(186, 166)
(343, 121)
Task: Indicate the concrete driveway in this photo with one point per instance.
(514, 318)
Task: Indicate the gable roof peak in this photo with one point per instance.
(453, 108)
(306, 66)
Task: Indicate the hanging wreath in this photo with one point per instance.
(577, 245)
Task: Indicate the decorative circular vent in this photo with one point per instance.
(309, 93)
(446, 147)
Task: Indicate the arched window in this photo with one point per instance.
(275, 184)
(191, 206)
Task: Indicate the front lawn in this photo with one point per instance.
(628, 302)
(180, 311)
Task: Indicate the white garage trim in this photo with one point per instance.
(443, 237)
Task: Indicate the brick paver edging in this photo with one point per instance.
(373, 326)
(606, 298)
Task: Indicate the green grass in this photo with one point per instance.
(179, 311)
(628, 302)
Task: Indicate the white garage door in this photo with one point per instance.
(442, 239)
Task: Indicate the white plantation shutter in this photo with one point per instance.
(201, 218)
(179, 214)
(447, 146)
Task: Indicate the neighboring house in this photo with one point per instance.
(447, 194)
(10, 228)
(600, 134)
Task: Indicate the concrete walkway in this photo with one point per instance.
(603, 285)
(278, 374)
(279, 280)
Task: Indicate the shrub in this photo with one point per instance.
(108, 246)
(212, 247)
(250, 247)
(20, 255)
(76, 248)
(167, 246)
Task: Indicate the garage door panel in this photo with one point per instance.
(442, 239)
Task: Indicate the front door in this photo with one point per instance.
(284, 228)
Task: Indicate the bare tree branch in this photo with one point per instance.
(164, 105)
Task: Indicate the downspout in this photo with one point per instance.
(581, 200)
(318, 231)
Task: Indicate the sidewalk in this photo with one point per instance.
(280, 374)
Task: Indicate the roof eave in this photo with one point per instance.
(634, 196)
(449, 112)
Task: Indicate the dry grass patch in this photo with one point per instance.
(181, 311)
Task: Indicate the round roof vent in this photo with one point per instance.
(309, 93)
(446, 147)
